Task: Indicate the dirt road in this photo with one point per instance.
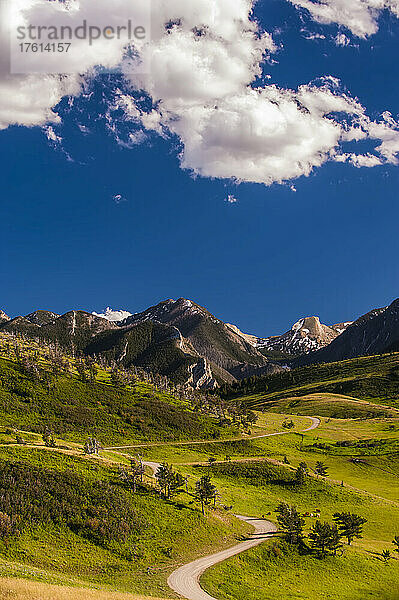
(185, 580)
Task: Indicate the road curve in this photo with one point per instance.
(315, 423)
(185, 580)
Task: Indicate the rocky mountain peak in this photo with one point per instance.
(3, 317)
(42, 317)
(309, 325)
(305, 336)
(376, 332)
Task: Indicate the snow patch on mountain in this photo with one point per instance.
(305, 336)
(4, 317)
(113, 315)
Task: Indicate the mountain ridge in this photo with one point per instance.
(179, 339)
(376, 332)
(305, 336)
(184, 341)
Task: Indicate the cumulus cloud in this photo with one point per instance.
(203, 65)
(30, 100)
(113, 315)
(231, 199)
(359, 16)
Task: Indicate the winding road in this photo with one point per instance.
(315, 423)
(185, 580)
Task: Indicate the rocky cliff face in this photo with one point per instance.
(377, 332)
(305, 336)
(226, 350)
(3, 317)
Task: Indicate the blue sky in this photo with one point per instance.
(329, 248)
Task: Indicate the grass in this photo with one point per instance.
(120, 539)
(373, 378)
(77, 525)
(186, 452)
(23, 589)
(373, 474)
(328, 405)
(255, 488)
(74, 409)
(275, 571)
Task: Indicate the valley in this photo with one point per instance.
(81, 512)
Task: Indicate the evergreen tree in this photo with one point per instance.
(325, 537)
(350, 525)
(48, 439)
(386, 555)
(205, 492)
(300, 476)
(168, 480)
(321, 468)
(163, 476)
(335, 540)
(290, 521)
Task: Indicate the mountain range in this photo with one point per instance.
(305, 336)
(376, 332)
(185, 342)
(179, 339)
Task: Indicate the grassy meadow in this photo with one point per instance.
(73, 529)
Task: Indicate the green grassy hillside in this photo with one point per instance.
(77, 521)
(322, 404)
(74, 409)
(373, 378)
(276, 571)
(281, 571)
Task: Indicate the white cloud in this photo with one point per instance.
(231, 199)
(118, 198)
(202, 93)
(202, 64)
(51, 135)
(29, 100)
(311, 36)
(359, 16)
(342, 40)
(113, 315)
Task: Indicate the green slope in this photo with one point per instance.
(73, 409)
(75, 520)
(374, 378)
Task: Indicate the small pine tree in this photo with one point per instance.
(321, 469)
(48, 439)
(350, 525)
(300, 476)
(205, 492)
(162, 476)
(386, 555)
(291, 522)
(324, 538)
